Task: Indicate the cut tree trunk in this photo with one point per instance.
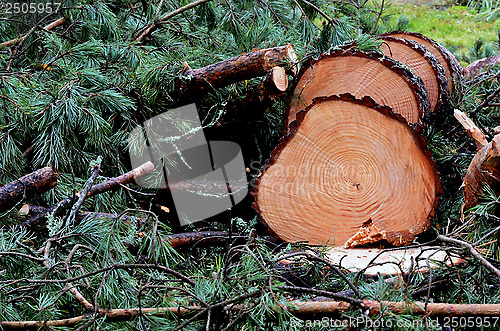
(196, 82)
(451, 66)
(361, 74)
(423, 64)
(27, 187)
(478, 66)
(350, 172)
(484, 169)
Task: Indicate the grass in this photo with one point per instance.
(455, 27)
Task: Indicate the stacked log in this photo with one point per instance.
(353, 168)
(350, 172)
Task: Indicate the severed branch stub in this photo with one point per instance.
(195, 82)
(27, 187)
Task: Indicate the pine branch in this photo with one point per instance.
(472, 251)
(153, 26)
(48, 27)
(111, 184)
(297, 308)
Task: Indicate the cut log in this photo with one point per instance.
(476, 67)
(196, 82)
(27, 187)
(484, 169)
(451, 66)
(423, 64)
(349, 171)
(361, 74)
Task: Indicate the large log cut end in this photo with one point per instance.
(452, 68)
(350, 173)
(483, 170)
(361, 74)
(423, 64)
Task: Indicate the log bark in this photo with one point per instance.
(484, 169)
(361, 74)
(349, 172)
(109, 185)
(27, 187)
(452, 68)
(478, 66)
(423, 64)
(195, 82)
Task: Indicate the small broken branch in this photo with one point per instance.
(472, 251)
(48, 27)
(472, 129)
(109, 185)
(27, 187)
(196, 82)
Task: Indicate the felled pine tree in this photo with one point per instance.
(74, 84)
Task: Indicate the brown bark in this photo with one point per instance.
(361, 74)
(476, 67)
(423, 64)
(297, 308)
(484, 169)
(348, 165)
(109, 185)
(196, 82)
(27, 187)
(452, 68)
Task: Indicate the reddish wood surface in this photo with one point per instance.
(423, 64)
(451, 66)
(350, 172)
(361, 74)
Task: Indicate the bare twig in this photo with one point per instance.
(472, 251)
(168, 16)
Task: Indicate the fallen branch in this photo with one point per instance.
(109, 185)
(48, 27)
(297, 308)
(195, 82)
(27, 187)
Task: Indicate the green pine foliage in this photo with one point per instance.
(72, 94)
